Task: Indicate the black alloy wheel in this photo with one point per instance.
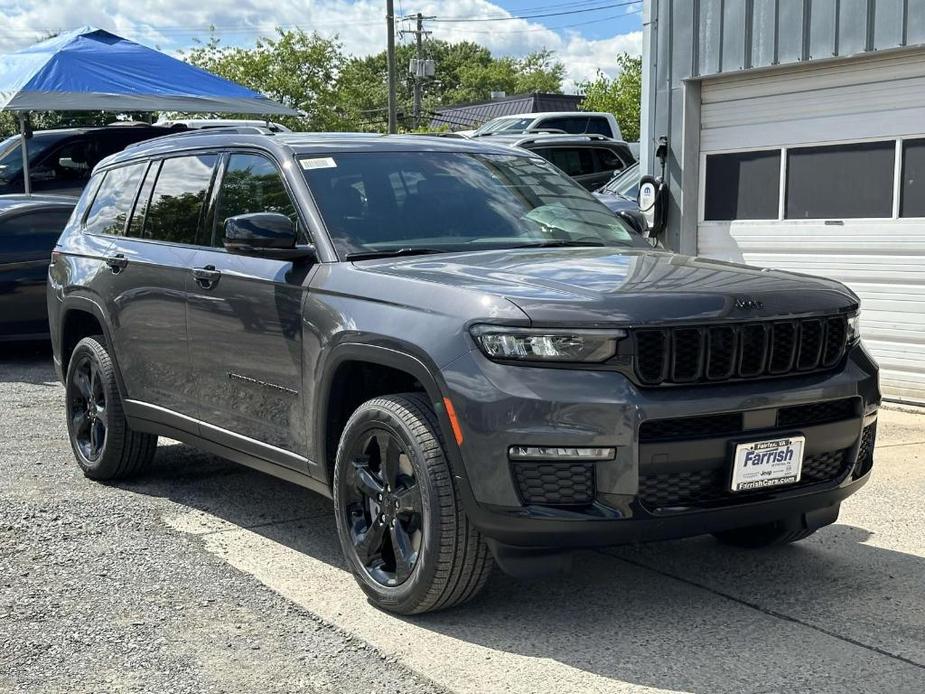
(384, 511)
(87, 408)
(105, 446)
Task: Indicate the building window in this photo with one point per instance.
(912, 197)
(742, 185)
(840, 181)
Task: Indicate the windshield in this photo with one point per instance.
(404, 202)
(625, 183)
(499, 125)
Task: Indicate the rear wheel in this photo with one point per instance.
(399, 517)
(105, 446)
(773, 534)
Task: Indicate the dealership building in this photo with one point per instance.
(796, 139)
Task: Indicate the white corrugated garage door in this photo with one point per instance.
(821, 169)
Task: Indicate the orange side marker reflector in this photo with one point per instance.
(454, 422)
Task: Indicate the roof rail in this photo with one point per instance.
(555, 137)
(222, 130)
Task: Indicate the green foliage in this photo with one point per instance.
(621, 96)
(295, 68)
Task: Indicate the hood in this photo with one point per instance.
(607, 286)
(616, 202)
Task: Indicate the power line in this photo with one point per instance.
(609, 6)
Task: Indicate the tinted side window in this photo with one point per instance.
(113, 201)
(176, 204)
(33, 231)
(742, 185)
(251, 183)
(572, 124)
(841, 181)
(913, 182)
(574, 161)
(608, 160)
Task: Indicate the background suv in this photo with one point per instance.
(475, 359)
(572, 122)
(60, 161)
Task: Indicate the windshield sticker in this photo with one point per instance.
(318, 163)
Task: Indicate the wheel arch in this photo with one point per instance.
(410, 373)
(82, 316)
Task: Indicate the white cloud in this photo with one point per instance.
(360, 24)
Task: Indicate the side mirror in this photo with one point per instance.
(265, 234)
(635, 220)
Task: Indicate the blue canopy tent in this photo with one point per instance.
(90, 69)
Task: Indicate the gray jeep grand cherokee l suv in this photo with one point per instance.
(459, 345)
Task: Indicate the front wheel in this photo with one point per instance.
(399, 517)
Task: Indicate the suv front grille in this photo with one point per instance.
(710, 354)
(700, 486)
(555, 484)
(731, 423)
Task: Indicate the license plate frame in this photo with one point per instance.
(754, 468)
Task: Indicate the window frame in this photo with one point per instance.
(159, 162)
(898, 161)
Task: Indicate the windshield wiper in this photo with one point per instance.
(560, 243)
(393, 253)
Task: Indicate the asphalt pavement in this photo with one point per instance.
(204, 576)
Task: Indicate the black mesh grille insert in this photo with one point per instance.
(810, 345)
(555, 484)
(707, 426)
(687, 348)
(866, 451)
(817, 413)
(721, 353)
(783, 347)
(651, 351)
(695, 354)
(710, 485)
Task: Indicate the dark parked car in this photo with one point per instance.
(29, 228)
(622, 191)
(461, 346)
(60, 161)
(591, 160)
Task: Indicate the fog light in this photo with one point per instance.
(557, 453)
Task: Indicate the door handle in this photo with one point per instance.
(117, 263)
(207, 277)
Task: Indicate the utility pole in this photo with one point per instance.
(390, 53)
(419, 72)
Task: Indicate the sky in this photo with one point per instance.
(586, 35)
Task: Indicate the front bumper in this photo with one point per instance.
(500, 406)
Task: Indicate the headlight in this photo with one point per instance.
(539, 345)
(854, 328)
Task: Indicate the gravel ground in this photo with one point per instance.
(97, 593)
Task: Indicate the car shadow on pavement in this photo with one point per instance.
(687, 615)
(27, 362)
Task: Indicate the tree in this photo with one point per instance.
(295, 68)
(621, 96)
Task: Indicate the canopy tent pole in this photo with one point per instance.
(27, 184)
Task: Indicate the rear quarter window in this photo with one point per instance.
(113, 201)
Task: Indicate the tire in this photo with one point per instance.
(774, 534)
(105, 446)
(451, 561)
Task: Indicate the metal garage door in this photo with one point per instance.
(821, 169)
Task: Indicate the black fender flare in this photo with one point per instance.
(87, 304)
(419, 367)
